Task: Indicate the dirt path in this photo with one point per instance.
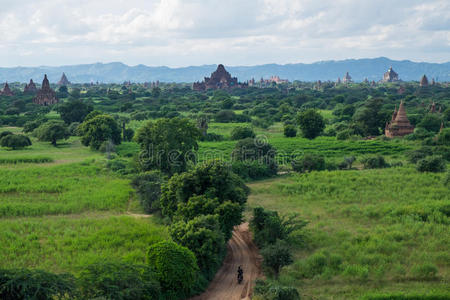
(241, 252)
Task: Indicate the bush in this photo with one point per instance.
(128, 135)
(273, 291)
(251, 170)
(429, 296)
(374, 162)
(119, 281)
(15, 141)
(290, 131)
(308, 163)
(242, 132)
(415, 155)
(35, 284)
(255, 150)
(148, 187)
(276, 256)
(432, 163)
(175, 267)
(225, 116)
(444, 137)
(73, 128)
(311, 122)
(5, 133)
(211, 137)
(424, 271)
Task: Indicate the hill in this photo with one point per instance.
(117, 72)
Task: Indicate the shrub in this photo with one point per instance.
(311, 122)
(225, 116)
(308, 163)
(432, 163)
(175, 267)
(119, 281)
(344, 134)
(255, 150)
(242, 132)
(415, 155)
(290, 131)
(211, 137)
(274, 291)
(128, 135)
(148, 188)
(5, 133)
(251, 170)
(73, 128)
(374, 162)
(444, 137)
(35, 284)
(15, 141)
(424, 271)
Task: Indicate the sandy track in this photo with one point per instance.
(241, 252)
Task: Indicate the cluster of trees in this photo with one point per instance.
(14, 141)
(273, 234)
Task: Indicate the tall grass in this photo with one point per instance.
(368, 231)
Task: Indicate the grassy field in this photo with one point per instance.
(63, 213)
(369, 231)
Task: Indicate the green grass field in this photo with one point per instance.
(380, 230)
(63, 213)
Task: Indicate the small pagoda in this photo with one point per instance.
(424, 81)
(30, 88)
(64, 80)
(7, 91)
(390, 76)
(399, 125)
(347, 78)
(45, 96)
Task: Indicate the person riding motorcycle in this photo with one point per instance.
(240, 275)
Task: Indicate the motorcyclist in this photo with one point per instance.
(240, 274)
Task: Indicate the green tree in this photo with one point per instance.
(74, 111)
(167, 144)
(370, 117)
(430, 122)
(52, 131)
(101, 128)
(311, 123)
(175, 267)
(276, 256)
(290, 131)
(242, 132)
(214, 179)
(432, 163)
(202, 235)
(15, 141)
(148, 187)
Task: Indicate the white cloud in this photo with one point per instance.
(187, 32)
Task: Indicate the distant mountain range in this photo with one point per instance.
(116, 72)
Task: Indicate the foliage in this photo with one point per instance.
(256, 151)
(374, 162)
(432, 163)
(371, 117)
(290, 131)
(444, 137)
(15, 141)
(252, 170)
(203, 236)
(167, 144)
(128, 134)
(148, 187)
(311, 123)
(430, 122)
(112, 280)
(52, 131)
(74, 111)
(308, 163)
(273, 291)
(276, 256)
(35, 284)
(214, 179)
(175, 267)
(242, 132)
(96, 130)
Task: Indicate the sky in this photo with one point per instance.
(179, 33)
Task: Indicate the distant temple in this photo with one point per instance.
(433, 109)
(220, 79)
(6, 91)
(347, 78)
(390, 76)
(63, 80)
(30, 88)
(45, 96)
(424, 81)
(399, 125)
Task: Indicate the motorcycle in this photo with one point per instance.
(240, 278)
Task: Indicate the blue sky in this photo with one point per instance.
(233, 32)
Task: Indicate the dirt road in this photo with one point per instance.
(241, 252)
